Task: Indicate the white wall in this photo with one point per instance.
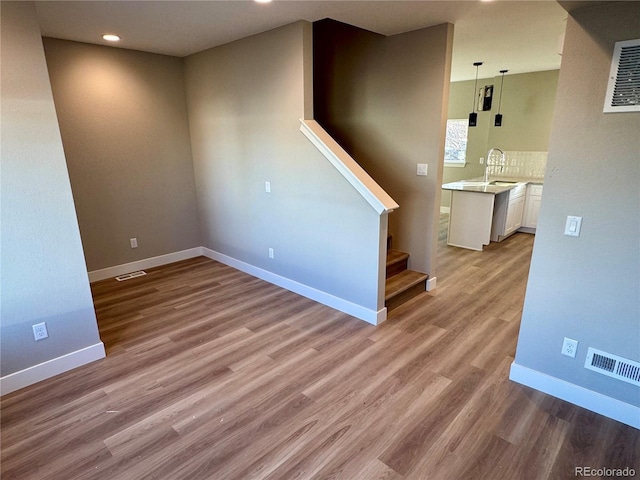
(245, 100)
(43, 274)
(588, 288)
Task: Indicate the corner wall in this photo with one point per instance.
(44, 277)
(587, 287)
(245, 100)
(124, 126)
(384, 99)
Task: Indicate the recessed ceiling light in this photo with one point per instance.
(111, 38)
(263, 1)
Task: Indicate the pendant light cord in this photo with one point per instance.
(501, 88)
(475, 86)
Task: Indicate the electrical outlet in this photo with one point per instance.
(267, 187)
(134, 242)
(569, 347)
(270, 252)
(481, 160)
(40, 331)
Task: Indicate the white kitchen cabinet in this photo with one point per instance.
(508, 212)
(532, 202)
(470, 219)
(514, 214)
(481, 211)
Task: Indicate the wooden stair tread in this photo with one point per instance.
(403, 281)
(395, 256)
(401, 284)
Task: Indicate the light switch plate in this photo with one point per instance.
(422, 170)
(573, 225)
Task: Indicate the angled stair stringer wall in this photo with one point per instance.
(367, 188)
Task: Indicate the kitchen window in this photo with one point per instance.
(455, 143)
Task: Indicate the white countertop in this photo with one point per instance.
(494, 186)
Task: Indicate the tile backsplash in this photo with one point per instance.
(518, 164)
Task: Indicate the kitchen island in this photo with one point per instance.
(484, 211)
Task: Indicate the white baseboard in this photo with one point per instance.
(111, 272)
(370, 316)
(431, 283)
(51, 368)
(594, 401)
(358, 311)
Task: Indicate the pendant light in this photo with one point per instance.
(473, 116)
(498, 120)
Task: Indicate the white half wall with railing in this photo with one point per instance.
(348, 167)
(367, 188)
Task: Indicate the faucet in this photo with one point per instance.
(486, 163)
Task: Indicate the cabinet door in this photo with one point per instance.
(514, 214)
(533, 208)
(527, 216)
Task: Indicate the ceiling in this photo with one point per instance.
(518, 35)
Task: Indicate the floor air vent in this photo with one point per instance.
(613, 366)
(129, 276)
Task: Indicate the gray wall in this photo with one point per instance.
(588, 288)
(527, 106)
(245, 100)
(124, 126)
(384, 100)
(43, 274)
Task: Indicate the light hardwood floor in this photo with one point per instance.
(213, 374)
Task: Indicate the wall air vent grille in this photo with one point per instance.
(129, 276)
(623, 90)
(613, 366)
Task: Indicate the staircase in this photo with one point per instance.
(402, 284)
